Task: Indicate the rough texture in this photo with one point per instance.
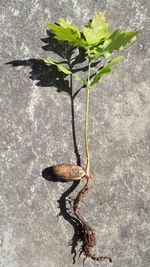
(36, 132)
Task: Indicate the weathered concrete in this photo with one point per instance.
(36, 132)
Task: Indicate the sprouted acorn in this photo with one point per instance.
(97, 45)
(68, 172)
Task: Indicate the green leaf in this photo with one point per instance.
(59, 66)
(96, 31)
(117, 41)
(98, 20)
(94, 36)
(63, 69)
(66, 32)
(106, 69)
(66, 25)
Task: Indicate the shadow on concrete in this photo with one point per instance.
(47, 76)
(65, 211)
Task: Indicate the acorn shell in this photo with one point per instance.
(68, 172)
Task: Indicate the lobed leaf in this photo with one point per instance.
(95, 38)
(66, 32)
(95, 31)
(106, 69)
(98, 20)
(118, 41)
(65, 25)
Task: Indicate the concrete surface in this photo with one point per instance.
(36, 132)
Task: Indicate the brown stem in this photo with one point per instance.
(89, 238)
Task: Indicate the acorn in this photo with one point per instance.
(68, 172)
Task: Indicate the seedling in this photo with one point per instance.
(98, 45)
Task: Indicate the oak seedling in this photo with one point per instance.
(98, 45)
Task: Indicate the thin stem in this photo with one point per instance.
(86, 120)
(88, 235)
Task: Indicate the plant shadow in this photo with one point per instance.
(47, 76)
(63, 202)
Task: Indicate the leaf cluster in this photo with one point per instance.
(96, 42)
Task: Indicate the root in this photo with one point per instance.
(88, 234)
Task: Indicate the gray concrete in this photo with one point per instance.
(36, 132)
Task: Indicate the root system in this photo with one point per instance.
(88, 234)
